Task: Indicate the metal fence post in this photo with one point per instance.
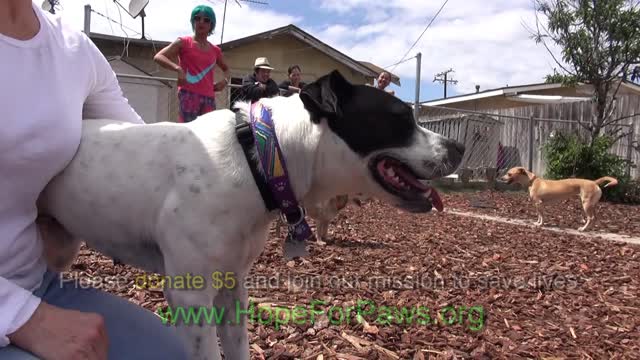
(416, 104)
(531, 130)
(629, 148)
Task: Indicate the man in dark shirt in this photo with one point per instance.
(259, 84)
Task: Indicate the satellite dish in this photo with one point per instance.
(136, 7)
(50, 5)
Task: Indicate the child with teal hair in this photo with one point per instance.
(197, 59)
(207, 12)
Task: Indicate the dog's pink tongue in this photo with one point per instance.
(407, 177)
(436, 201)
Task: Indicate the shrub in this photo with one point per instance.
(567, 156)
(627, 192)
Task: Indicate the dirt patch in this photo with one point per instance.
(507, 291)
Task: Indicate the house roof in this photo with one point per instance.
(308, 39)
(364, 68)
(519, 93)
(141, 42)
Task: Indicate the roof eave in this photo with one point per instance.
(288, 29)
(322, 47)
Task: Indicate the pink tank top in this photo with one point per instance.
(198, 66)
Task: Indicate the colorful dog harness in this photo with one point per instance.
(274, 183)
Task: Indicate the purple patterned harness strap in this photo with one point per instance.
(275, 171)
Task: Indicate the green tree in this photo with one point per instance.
(556, 77)
(599, 42)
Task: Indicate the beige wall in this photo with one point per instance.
(283, 51)
(152, 99)
(140, 56)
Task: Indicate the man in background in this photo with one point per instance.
(259, 84)
(384, 79)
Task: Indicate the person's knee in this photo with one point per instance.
(157, 342)
(137, 333)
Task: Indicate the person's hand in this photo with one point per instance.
(182, 77)
(219, 85)
(54, 333)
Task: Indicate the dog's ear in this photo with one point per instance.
(322, 97)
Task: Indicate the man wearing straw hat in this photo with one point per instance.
(259, 84)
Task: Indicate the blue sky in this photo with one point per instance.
(485, 42)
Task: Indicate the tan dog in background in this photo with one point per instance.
(323, 213)
(544, 190)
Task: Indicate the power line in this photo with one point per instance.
(115, 22)
(400, 62)
(423, 31)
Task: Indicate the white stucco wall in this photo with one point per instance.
(151, 99)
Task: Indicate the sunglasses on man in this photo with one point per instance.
(198, 18)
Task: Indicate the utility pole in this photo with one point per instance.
(416, 105)
(224, 16)
(442, 77)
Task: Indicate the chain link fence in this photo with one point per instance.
(499, 140)
(155, 99)
(495, 141)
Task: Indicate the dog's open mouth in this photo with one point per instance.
(398, 179)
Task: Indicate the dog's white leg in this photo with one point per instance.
(233, 331)
(539, 211)
(590, 214)
(322, 229)
(194, 316)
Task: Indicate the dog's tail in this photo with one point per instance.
(612, 181)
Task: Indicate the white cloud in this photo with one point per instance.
(168, 19)
(485, 43)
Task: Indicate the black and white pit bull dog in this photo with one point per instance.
(178, 198)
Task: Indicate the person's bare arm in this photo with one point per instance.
(225, 68)
(164, 58)
(223, 65)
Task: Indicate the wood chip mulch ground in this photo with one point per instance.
(611, 218)
(503, 291)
